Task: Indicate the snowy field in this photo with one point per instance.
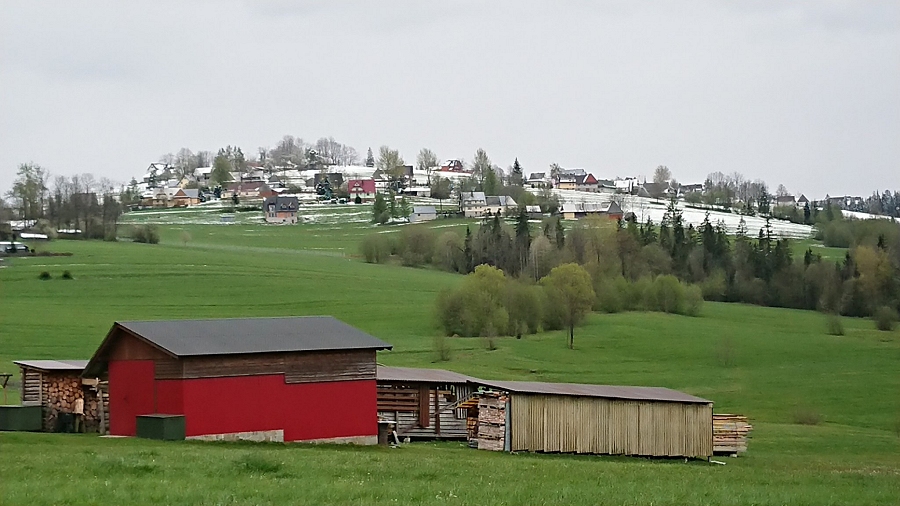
(655, 209)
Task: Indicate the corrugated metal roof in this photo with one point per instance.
(53, 365)
(582, 390)
(416, 375)
(253, 335)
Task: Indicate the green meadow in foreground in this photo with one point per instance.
(825, 409)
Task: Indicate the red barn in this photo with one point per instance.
(276, 379)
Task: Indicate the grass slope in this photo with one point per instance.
(767, 363)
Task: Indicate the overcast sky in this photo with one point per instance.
(801, 93)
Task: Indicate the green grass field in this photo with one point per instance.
(770, 364)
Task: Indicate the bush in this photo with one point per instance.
(523, 305)
(693, 300)
(611, 294)
(834, 325)
(667, 295)
(375, 248)
(148, 234)
(442, 348)
(805, 415)
(44, 276)
(67, 275)
(713, 287)
(885, 318)
(416, 246)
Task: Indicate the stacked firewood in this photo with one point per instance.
(59, 394)
(491, 422)
(730, 433)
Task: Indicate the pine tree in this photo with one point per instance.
(516, 177)
(523, 237)
(370, 158)
(560, 234)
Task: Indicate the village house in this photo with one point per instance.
(500, 205)
(264, 379)
(785, 201)
(362, 188)
(422, 213)
(538, 180)
(280, 209)
(575, 210)
(472, 204)
(248, 190)
(587, 183)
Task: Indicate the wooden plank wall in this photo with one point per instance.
(301, 367)
(31, 385)
(450, 425)
(557, 423)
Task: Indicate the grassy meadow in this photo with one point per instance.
(777, 366)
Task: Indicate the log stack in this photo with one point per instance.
(492, 422)
(730, 434)
(58, 394)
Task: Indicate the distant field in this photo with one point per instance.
(770, 364)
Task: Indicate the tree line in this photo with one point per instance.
(83, 204)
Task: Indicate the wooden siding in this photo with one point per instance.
(31, 385)
(301, 367)
(128, 347)
(567, 424)
(447, 425)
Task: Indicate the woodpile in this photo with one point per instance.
(492, 422)
(730, 433)
(58, 394)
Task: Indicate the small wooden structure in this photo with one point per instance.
(573, 418)
(55, 384)
(424, 403)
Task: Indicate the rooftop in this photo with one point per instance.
(53, 365)
(412, 374)
(607, 391)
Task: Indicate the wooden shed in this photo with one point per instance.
(599, 419)
(55, 384)
(424, 403)
(273, 379)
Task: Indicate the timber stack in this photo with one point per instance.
(730, 434)
(59, 392)
(492, 422)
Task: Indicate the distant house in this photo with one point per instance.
(785, 201)
(574, 211)
(566, 181)
(586, 183)
(501, 205)
(453, 166)
(418, 191)
(472, 204)
(606, 186)
(626, 185)
(249, 190)
(422, 213)
(802, 201)
(203, 175)
(534, 212)
(187, 197)
(281, 209)
(362, 188)
(656, 190)
(538, 180)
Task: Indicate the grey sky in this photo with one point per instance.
(804, 93)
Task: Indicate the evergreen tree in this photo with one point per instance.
(560, 234)
(370, 158)
(523, 237)
(516, 176)
(379, 209)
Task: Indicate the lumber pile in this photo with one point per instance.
(492, 422)
(730, 433)
(58, 395)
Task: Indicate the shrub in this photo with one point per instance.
(667, 295)
(834, 325)
(442, 348)
(67, 275)
(611, 295)
(375, 248)
(523, 305)
(693, 300)
(416, 246)
(44, 276)
(148, 234)
(885, 318)
(713, 287)
(805, 415)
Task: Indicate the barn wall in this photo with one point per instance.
(131, 393)
(308, 411)
(401, 403)
(556, 423)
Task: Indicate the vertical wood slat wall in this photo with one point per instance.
(567, 424)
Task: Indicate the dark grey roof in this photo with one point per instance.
(417, 375)
(53, 365)
(253, 335)
(582, 390)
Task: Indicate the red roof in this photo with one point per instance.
(361, 186)
(590, 179)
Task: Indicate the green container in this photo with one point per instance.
(20, 418)
(159, 426)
